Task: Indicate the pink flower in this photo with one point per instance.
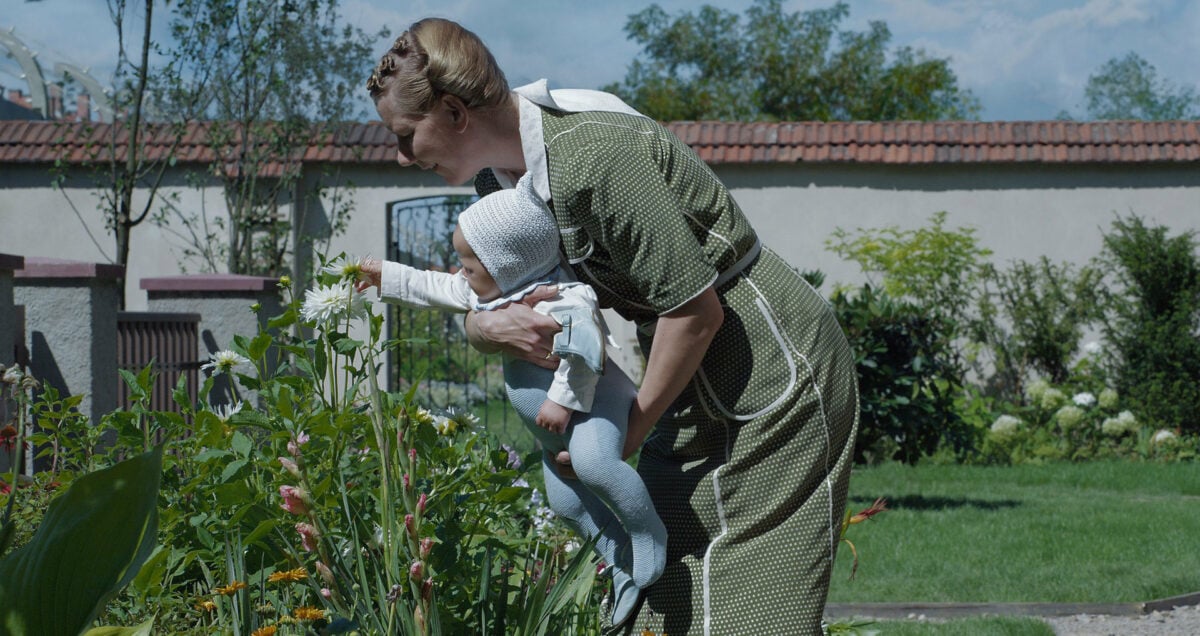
(426, 547)
(295, 500)
(296, 442)
(308, 536)
(410, 524)
(325, 592)
(407, 482)
(416, 569)
(427, 589)
(412, 454)
(421, 503)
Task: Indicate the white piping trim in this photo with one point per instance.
(648, 133)
(787, 349)
(706, 585)
(833, 534)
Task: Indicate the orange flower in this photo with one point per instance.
(308, 613)
(269, 630)
(231, 589)
(298, 574)
(206, 605)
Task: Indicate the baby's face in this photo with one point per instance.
(477, 276)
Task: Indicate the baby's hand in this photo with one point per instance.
(554, 417)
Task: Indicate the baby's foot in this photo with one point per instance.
(625, 596)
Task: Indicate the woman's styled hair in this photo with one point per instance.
(435, 57)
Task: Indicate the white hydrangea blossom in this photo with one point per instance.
(1052, 398)
(1069, 417)
(1093, 348)
(1162, 436)
(1117, 426)
(1084, 399)
(1005, 427)
(1034, 390)
(1108, 398)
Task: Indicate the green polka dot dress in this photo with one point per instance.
(749, 467)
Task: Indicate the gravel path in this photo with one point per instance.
(1181, 621)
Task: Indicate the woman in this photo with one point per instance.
(747, 414)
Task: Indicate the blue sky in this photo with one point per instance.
(1024, 59)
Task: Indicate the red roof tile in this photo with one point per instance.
(715, 142)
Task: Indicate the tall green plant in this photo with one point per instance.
(1152, 320)
(1031, 318)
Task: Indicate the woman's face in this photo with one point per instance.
(432, 141)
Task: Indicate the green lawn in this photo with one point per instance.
(1094, 532)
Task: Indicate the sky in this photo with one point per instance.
(1023, 59)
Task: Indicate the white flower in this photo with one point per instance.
(226, 411)
(1093, 348)
(1068, 417)
(325, 303)
(224, 362)
(1005, 426)
(1084, 399)
(1162, 435)
(445, 426)
(570, 546)
(1053, 398)
(1108, 398)
(1035, 389)
(345, 268)
(1117, 426)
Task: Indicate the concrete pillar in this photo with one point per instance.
(9, 329)
(224, 303)
(71, 328)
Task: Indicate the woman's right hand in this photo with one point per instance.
(517, 330)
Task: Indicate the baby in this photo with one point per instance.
(507, 243)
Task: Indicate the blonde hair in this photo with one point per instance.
(435, 57)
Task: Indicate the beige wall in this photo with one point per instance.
(1019, 212)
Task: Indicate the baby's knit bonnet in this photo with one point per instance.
(514, 235)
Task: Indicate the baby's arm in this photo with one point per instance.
(554, 417)
(424, 289)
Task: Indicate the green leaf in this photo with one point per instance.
(259, 346)
(231, 469)
(145, 629)
(91, 543)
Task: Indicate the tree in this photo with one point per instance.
(1129, 88)
(777, 66)
(118, 175)
(269, 79)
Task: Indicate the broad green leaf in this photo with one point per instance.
(145, 629)
(91, 543)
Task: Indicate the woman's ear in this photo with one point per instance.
(457, 112)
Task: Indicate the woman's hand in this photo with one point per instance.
(517, 330)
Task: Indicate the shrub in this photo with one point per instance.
(1152, 320)
(907, 378)
(1031, 319)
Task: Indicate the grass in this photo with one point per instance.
(985, 626)
(1094, 532)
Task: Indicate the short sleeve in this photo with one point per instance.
(623, 202)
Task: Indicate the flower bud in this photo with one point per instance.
(427, 589)
(416, 570)
(290, 466)
(421, 501)
(407, 482)
(412, 454)
(426, 547)
(410, 524)
(325, 572)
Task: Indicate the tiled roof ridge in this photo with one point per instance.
(892, 142)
